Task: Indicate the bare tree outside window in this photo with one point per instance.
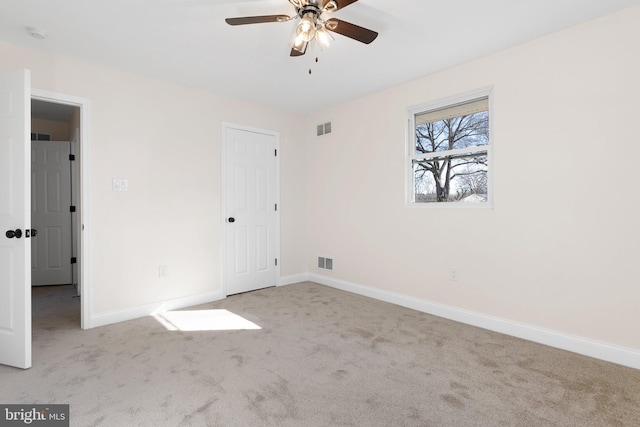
(450, 162)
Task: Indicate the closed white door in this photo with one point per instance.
(50, 213)
(250, 210)
(15, 248)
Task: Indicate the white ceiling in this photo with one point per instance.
(188, 42)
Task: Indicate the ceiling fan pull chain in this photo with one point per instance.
(316, 60)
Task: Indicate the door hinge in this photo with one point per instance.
(276, 206)
(276, 261)
(74, 260)
(275, 152)
(72, 208)
(72, 157)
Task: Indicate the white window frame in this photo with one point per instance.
(411, 155)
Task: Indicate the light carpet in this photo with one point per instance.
(323, 357)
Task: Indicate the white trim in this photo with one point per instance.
(587, 347)
(177, 303)
(224, 126)
(104, 319)
(454, 152)
(85, 185)
(294, 278)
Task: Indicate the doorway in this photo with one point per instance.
(59, 127)
(54, 134)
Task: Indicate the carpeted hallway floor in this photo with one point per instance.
(322, 357)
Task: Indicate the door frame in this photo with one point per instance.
(82, 234)
(223, 193)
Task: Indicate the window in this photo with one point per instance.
(449, 153)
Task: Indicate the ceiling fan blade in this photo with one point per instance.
(257, 19)
(339, 3)
(350, 30)
(296, 52)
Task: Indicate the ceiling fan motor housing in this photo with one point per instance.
(310, 9)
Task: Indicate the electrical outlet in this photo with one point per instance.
(120, 184)
(453, 275)
(163, 271)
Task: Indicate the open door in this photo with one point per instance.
(15, 232)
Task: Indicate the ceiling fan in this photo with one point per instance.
(312, 24)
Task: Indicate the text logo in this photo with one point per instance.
(34, 415)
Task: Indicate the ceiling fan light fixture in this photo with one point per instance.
(306, 29)
(300, 45)
(323, 38)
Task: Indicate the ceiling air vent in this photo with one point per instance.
(324, 128)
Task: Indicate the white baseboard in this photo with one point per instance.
(104, 319)
(587, 347)
(149, 309)
(294, 278)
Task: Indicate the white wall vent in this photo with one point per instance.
(323, 129)
(325, 263)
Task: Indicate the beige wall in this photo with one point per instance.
(59, 131)
(560, 249)
(165, 139)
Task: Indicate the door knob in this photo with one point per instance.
(11, 234)
(232, 219)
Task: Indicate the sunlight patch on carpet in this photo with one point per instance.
(203, 320)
